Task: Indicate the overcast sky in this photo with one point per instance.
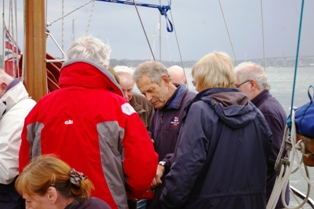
(199, 27)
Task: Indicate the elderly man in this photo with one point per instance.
(15, 104)
(252, 80)
(169, 100)
(92, 127)
(177, 75)
(144, 109)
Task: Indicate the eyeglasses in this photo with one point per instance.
(194, 83)
(238, 85)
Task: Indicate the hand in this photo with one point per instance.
(159, 173)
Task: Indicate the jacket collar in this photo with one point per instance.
(87, 74)
(175, 100)
(13, 95)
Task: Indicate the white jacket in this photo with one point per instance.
(17, 105)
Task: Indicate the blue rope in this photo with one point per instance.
(297, 58)
(162, 9)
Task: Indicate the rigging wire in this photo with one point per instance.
(16, 41)
(263, 38)
(62, 18)
(144, 30)
(223, 15)
(49, 24)
(157, 26)
(11, 32)
(297, 56)
(48, 34)
(15, 16)
(62, 25)
(160, 39)
(178, 45)
(90, 18)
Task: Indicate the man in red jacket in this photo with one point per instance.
(89, 124)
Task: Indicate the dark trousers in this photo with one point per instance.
(10, 198)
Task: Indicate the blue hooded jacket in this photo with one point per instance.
(221, 157)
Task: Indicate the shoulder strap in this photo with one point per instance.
(309, 94)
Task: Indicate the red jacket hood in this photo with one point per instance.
(88, 74)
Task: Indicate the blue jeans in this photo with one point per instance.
(141, 204)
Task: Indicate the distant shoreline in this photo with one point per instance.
(307, 61)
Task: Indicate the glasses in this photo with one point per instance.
(194, 83)
(238, 85)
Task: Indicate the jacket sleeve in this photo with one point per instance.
(140, 159)
(189, 158)
(277, 127)
(11, 126)
(25, 148)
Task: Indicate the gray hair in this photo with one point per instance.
(252, 71)
(89, 48)
(152, 69)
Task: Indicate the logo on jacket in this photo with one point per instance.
(127, 109)
(68, 122)
(175, 122)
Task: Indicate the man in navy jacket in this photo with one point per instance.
(169, 101)
(252, 80)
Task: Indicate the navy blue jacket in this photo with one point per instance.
(221, 157)
(276, 119)
(165, 127)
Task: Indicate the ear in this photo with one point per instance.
(253, 85)
(3, 86)
(165, 78)
(52, 194)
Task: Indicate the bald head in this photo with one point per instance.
(126, 81)
(177, 75)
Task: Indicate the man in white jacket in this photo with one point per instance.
(15, 104)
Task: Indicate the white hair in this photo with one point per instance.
(252, 71)
(123, 70)
(89, 48)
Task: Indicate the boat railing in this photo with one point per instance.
(302, 196)
(48, 34)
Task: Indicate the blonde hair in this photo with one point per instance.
(47, 170)
(213, 71)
